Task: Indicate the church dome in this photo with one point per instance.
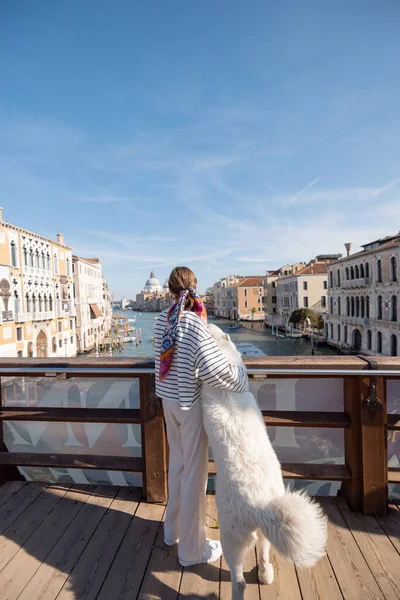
(166, 286)
(152, 285)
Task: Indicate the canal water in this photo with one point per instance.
(253, 333)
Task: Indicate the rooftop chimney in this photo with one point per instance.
(60, 238)
(1, 214)
(348, 248)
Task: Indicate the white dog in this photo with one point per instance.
(250, 495)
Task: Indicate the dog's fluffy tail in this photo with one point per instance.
(297, 527)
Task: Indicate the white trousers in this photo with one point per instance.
(187, 479)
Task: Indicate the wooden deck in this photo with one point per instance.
(103, 543)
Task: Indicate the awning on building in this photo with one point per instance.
(95, 311)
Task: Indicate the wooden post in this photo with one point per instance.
(374, 445)
(352, 490)
(6, 473)
(154, 449)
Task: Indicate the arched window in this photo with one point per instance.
(331, 305)
(50, 302)
(357, 306)
(362, 307)
(393, 269)
(339, 306)
(351, 272)
(393, 307)
(338, 333)
(369, 339)
(25, 251)
(17, 304)
(58, 303)
(68, 267)
(352, 306)
(338, 277)
(348, 306)
(379, 312)
(345, 334)
(347, 273)
(37, 259)
(331, 279)
(367, 307)
(28, 303)
(31, 257)
(331, 331)
(34, 303)
(367, 270)
(362, 271)
(40, 303)
(43, 261)
(379, 271)
(357, 272)
(393, 345)
(13, 254)
(46, 303)
(379, 342)
(55, 264)
(48, 262)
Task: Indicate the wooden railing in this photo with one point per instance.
(364, 419)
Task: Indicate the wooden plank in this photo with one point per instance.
(374, 450)
(285, 585)
(300, 418)
(352, 572)
(153, 443)
(163, 574)
(125, 576)
(394, 475)
(52, 574)
(73, 461)
(390, 524)
(20, 570)
(344, 363)
(393, 422)
(71, 415)
(320, 582)
(89, 573)
(18, 503)
(8, 489)
(377, 550)
(16, 535)
(318, 472)
(202, 581)
(352, 489)
(80, 362)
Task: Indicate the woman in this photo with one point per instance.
(185, 355)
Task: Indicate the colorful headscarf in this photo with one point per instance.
(174, 314)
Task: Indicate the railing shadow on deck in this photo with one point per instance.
(86, 548)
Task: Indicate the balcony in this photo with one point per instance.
(61, 540)
(35, 316)
(356, 283)
(7, 316)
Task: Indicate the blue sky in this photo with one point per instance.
(226, 135)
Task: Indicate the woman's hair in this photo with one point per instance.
(180, 279)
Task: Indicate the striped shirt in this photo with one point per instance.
(197, 358)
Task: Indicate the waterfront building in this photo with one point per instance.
(37, 311)
(221, 308)
(305, 288)
(244, 300)
(271, 316)
(153, 297)
(363, 299)
(93, 303)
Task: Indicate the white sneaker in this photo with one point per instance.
(212, 552)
